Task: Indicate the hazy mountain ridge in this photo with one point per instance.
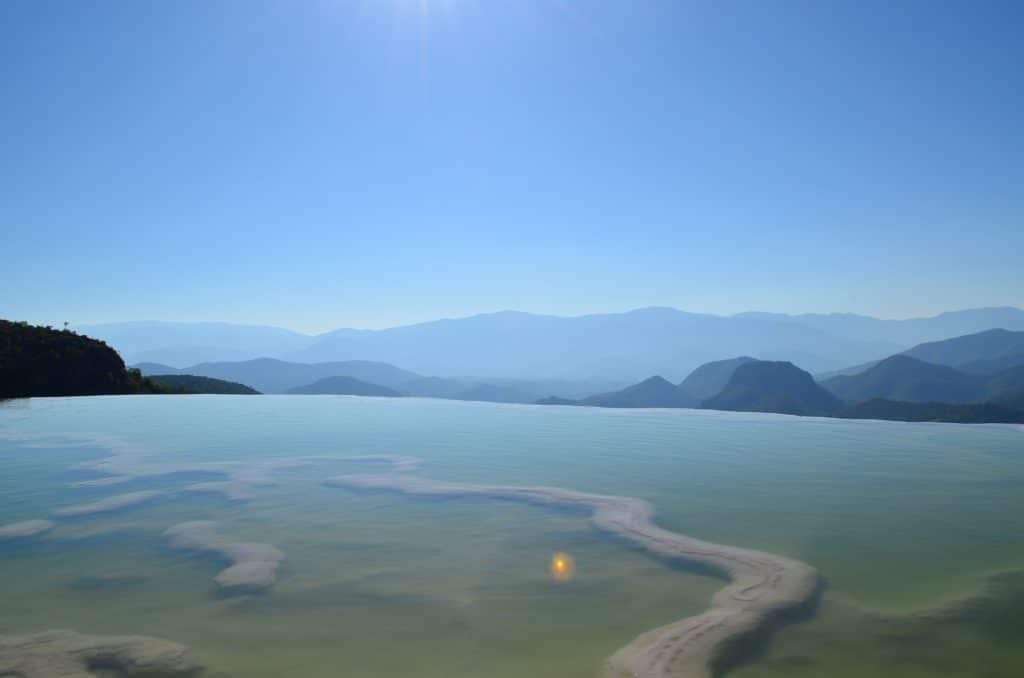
(270, 375)
(901, 377)
(990, 346)
(910, 331)
(345, 386)
(774, 386)
(652, 392)
(620, 347)
(709, 379)
(899, 387)
(985, 352)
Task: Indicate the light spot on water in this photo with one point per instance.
(562, 567)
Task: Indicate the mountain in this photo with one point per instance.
(999, 386)
(555, 400)
(651, 392)
(181, 343)
(986, 352)
(42, 361)
(278, 376)
(906, 332)
(846, 371)
(156, 368)
(764, 386)
(612, 346)
(901, 377)
(974, 413)
(343, 385)
(709, 379)
(982, 346)
(1002, 363)
(190, 383)
(1012, 399)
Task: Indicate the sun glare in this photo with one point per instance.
(562, 567)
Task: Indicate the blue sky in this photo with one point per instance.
(337, 163)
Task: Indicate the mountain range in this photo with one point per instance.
(345, 386)
(899, 387)
(611, 347)
(984, 352)
(269, 375)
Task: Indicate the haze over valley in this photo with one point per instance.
(618, 347)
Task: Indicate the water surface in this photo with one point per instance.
(917, 528)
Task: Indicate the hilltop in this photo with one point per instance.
(766, 386)
(190, 383)
(43, 361)
(345, 386)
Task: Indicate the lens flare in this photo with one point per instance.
(562, 567)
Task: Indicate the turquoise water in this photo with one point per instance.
(917, 528)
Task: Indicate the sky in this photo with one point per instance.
(370, 163)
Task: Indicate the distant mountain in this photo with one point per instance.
(703, 383)
(993, 365)
(846, 371)
(972, 348)
(555, 400)
(763, 386)
(906, 332)
(42, 361)
(190, 383)
(986, 352)
(345, 386)
(612, 347)
(1000, 386)
(709, 379)
(155, 368)
(975, 413)
(277, 376)
(181, 343)
(903, 378)
(651, 392)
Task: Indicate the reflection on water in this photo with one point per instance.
(916, 527)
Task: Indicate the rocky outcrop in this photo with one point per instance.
(253, 566)
(66, 654)
(24, 529)
(109, 504)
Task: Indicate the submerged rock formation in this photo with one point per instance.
(66, 654)
(762, 585)
(253, 566)
(114, 503)
(241, 479)
(24, 529)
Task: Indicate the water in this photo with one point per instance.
(917, 528)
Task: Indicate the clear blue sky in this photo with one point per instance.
(369, 163)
